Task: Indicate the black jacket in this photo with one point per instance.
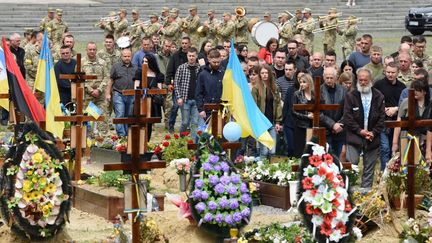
(208, 87)
(353, 118)
(287, 110)
(330, 117)
(300, 117)
(175, 61)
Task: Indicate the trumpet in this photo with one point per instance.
(143, 24)
(109, 19)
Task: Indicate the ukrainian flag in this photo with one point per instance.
(93, 110)
(242, 105)
(47, 83)
(4, 86)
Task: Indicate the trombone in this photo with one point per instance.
(143, 24)
(325, 17)
(339, 22)
(109, 19)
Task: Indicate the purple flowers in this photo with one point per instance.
(213, 159)
(245, 212)
(213, 179)
(243, 188)
(225, 180)
(217, 167)
(228, 219)
(235, 178)
(212, 206)
(233, 204)
(219, 188)
(225, 167)
(200, 207)
(196, 194)
(232, 190)
(219, 218)
(237, 217)
(204, 195)
(223, 203)
(246, 199)
(208, 217)
(199, 183)
(207, 167)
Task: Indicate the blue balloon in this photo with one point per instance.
(232, 131)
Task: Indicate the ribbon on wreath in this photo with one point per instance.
(410, 143)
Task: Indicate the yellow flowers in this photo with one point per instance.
(42, 181)
(252, 187)
(27, 186)
(46, 209)
(27, 196)
(51, 187)
(30, 172)
(37, 158)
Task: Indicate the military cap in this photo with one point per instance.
(192, 7)
(122, 10)
(28, 30)
(226, 14)
(135, 11)
(210, 11)
(172, 15)
(165, 9)
(280, 15)
(332, 10)
(51, 10)
(267, 14)
(59, 11)
(352, 17)
(174, 10)
(298, 11)
(153, 15)
(112, 13)
(307, 10)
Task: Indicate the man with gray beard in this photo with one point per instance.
(364, 114)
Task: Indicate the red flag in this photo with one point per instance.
(22, 96)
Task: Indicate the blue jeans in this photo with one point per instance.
(189, 113)
(385, 149)
(289, 140)
(173, 114)
(264, 152)
(123, 107)
(335, 146)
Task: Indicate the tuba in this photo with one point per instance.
(240, 11)
(202, 31)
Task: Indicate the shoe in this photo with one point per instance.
(348, 4)
(171, 130)
(353, 4)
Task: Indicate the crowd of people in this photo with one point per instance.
(369, 87)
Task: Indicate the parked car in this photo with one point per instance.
(419, 20)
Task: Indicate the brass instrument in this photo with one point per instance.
(143, 24)
(240, 11)
(202, 31)
(110, 19)
(339, 22)
(325, 17)
(251, 23)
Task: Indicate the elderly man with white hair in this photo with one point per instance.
(15, 41)
(333, 93)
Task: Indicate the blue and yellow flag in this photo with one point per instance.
(93, 110)
(4, 86)
(47, 83)
(242, 105)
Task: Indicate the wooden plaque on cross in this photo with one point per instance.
(410, 124)
(137, 142)
(78, 138)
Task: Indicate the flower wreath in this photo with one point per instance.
(36, 187)
(325, 202)
(219, 199)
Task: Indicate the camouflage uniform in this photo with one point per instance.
(135, 35)
(405, 78)
(162, 60)
(225, 31)
(425, 59)
(329, 35)
(170, 32)
(285, 33)
(119, 27)
(151, 29)
(30, 46)
(348, 40)
(31, 60)
(43, 24)
(241, 33)
(307, 34)
(211, 35)
(99, 68)
(109, 58)
(56, 29)
(191, 30)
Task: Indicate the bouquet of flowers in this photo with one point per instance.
(324, 196)
(120, 144)
(219, 199)
(277, 173)
(276, 232)
(182, 165)
(175, 147)
(413, 231)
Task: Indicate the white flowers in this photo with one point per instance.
(318, 150)
(182, 165)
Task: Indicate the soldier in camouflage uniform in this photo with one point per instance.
(419, 52)
(211, 24)
(329, 35)
(170, 30)
(31, 60)
(95, 89)
(45, 20)
(107, 26)
(225, 31)
(56, 28)
(69, 41)
(298, 18)
(306, 29)
(285, 29)
(120, 26)
(153, 27)
(162, 57)
(27, 37)
(164, 15)
(135, 31)
(241, 30)
(31, 44)
(192, 22)
(179, 21)
(109, 54)
(348, 34)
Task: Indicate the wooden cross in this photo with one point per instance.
(411, 124)
(215, 108)
(78, 138)
(137, 141)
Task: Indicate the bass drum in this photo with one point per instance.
(263, 31)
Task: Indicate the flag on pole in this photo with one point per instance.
(46, 82)
(93, 110)
(4, 86)
(242, 105)
(21, 94)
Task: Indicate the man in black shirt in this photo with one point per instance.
(15, 41)
(391, 88)
(279, 63)
(316, 69)
(66, 65)
(301, 62)
(288, 80)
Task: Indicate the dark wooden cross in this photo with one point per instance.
(215, 118)
(316, 108)
(78, 138)
(410, 124)
(137, 141)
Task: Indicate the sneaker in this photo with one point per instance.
(348, 4)
(353, 3)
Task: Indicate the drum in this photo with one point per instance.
(123, 42)
(263, 31)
